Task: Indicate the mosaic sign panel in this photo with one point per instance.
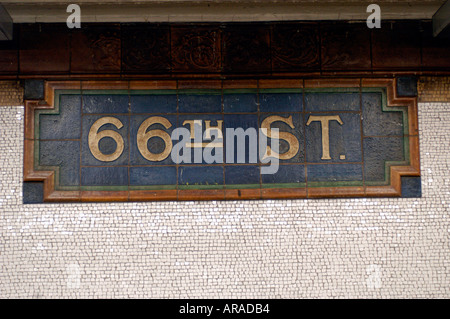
(218, 140)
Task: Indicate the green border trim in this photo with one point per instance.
(200, 91)
(385, 108)
(333, 90)
(37, 130)
(105, 92)
(240, 91)
(281, 90)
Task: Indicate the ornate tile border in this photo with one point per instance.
(397, 174)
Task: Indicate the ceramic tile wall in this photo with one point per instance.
(327, 248)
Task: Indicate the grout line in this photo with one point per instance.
(362, 133)
(304, 137)
(129, 137)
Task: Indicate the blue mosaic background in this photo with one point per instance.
(361, 149)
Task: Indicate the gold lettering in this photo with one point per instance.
(325, 124)
(94, 138)
(203, 145)
(288, 137)
(210, 128)
(143, 136)
(192, 124)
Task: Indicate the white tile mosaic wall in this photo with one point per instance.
(345, 248)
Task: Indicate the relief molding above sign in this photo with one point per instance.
(114, 140)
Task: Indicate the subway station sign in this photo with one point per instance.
(219, 140)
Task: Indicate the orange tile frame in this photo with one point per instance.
(48, 177)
